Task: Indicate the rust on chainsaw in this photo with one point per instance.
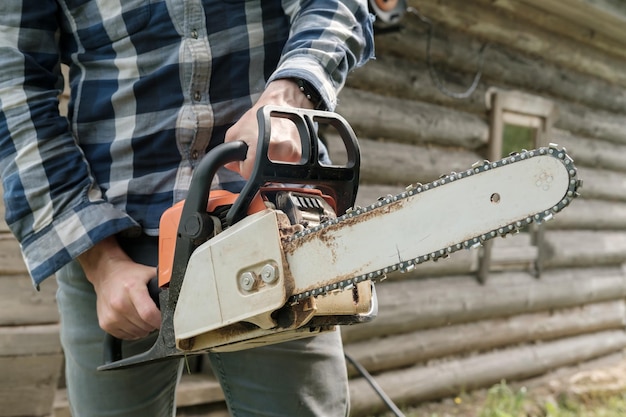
(327, 233)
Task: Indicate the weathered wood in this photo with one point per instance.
(607, 17)
(21, 304)
(375, 116)
(599, 124)
(591, 214)
(405, 78)
(11, 261)
(4, 228)
(486, 23)
(580, 20)
(583, 248)
(409, 349)
(410, 305)
(603, 184)
(28, 384)
(448, 378)
(193, 390)
(402, 78)
(593, 153)
(396, 163)
(29, 340)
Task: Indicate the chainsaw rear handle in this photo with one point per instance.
(113, 345)
(193, 221)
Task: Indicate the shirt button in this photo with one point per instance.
(194, 33)
(197, 96)
(194, 155)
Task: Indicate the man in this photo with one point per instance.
(155, 84)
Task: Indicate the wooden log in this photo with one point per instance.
(29, 340)
(21, 304)
(599, 124)
(486, 23)
(384, 354)
(31, 360)
(375, 116)
(583, 248)
(591, 214)
(592, 153)
(28, 384)
(405, 79)
(11, 261)
(4, 228)
(608, 17)
(602, 184)
(444, 379)
(192, 391)
(411, 305)
(407, 76)
(396, 163)
(581, 20)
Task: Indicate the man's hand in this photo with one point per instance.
(285, 145)
(125, 309)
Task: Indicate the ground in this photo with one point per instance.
(579, 385)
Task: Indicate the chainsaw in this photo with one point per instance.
(291, 256)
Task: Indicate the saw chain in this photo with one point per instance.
(388, 202)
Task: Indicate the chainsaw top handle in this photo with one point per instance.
(338, 181)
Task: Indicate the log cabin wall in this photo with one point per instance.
(440, 330)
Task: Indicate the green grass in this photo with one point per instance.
(504, 401)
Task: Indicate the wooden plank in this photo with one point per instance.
(193, 390)
(486, 23)
(592, 153)
(400, 71)
(3, 224)
(11, 261)
(603, 184)
(591, 214)
(28, 384)
(21, 304)
(375, 116)
(386, 162)
(409, 349)
(448, 378)
(584, 248)
(598, 28)
(412, 304)
(604, 17)
(29, 340)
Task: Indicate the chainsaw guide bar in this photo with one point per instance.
(389, 204)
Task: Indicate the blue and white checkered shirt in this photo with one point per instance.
(154, 85)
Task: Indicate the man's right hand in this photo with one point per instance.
(125, 309)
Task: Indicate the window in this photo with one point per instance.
(517, 121)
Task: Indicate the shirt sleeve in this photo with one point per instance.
(327, 40)
(52, 205)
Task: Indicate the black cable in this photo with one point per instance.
(431, 69)
(368, 377)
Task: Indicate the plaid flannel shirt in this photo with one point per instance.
(154, 85)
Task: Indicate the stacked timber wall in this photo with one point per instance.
(30, 351)
(440, 330)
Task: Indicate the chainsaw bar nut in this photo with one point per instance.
(247, 281)
(269, 274)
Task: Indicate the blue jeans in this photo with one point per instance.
(305, 377)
